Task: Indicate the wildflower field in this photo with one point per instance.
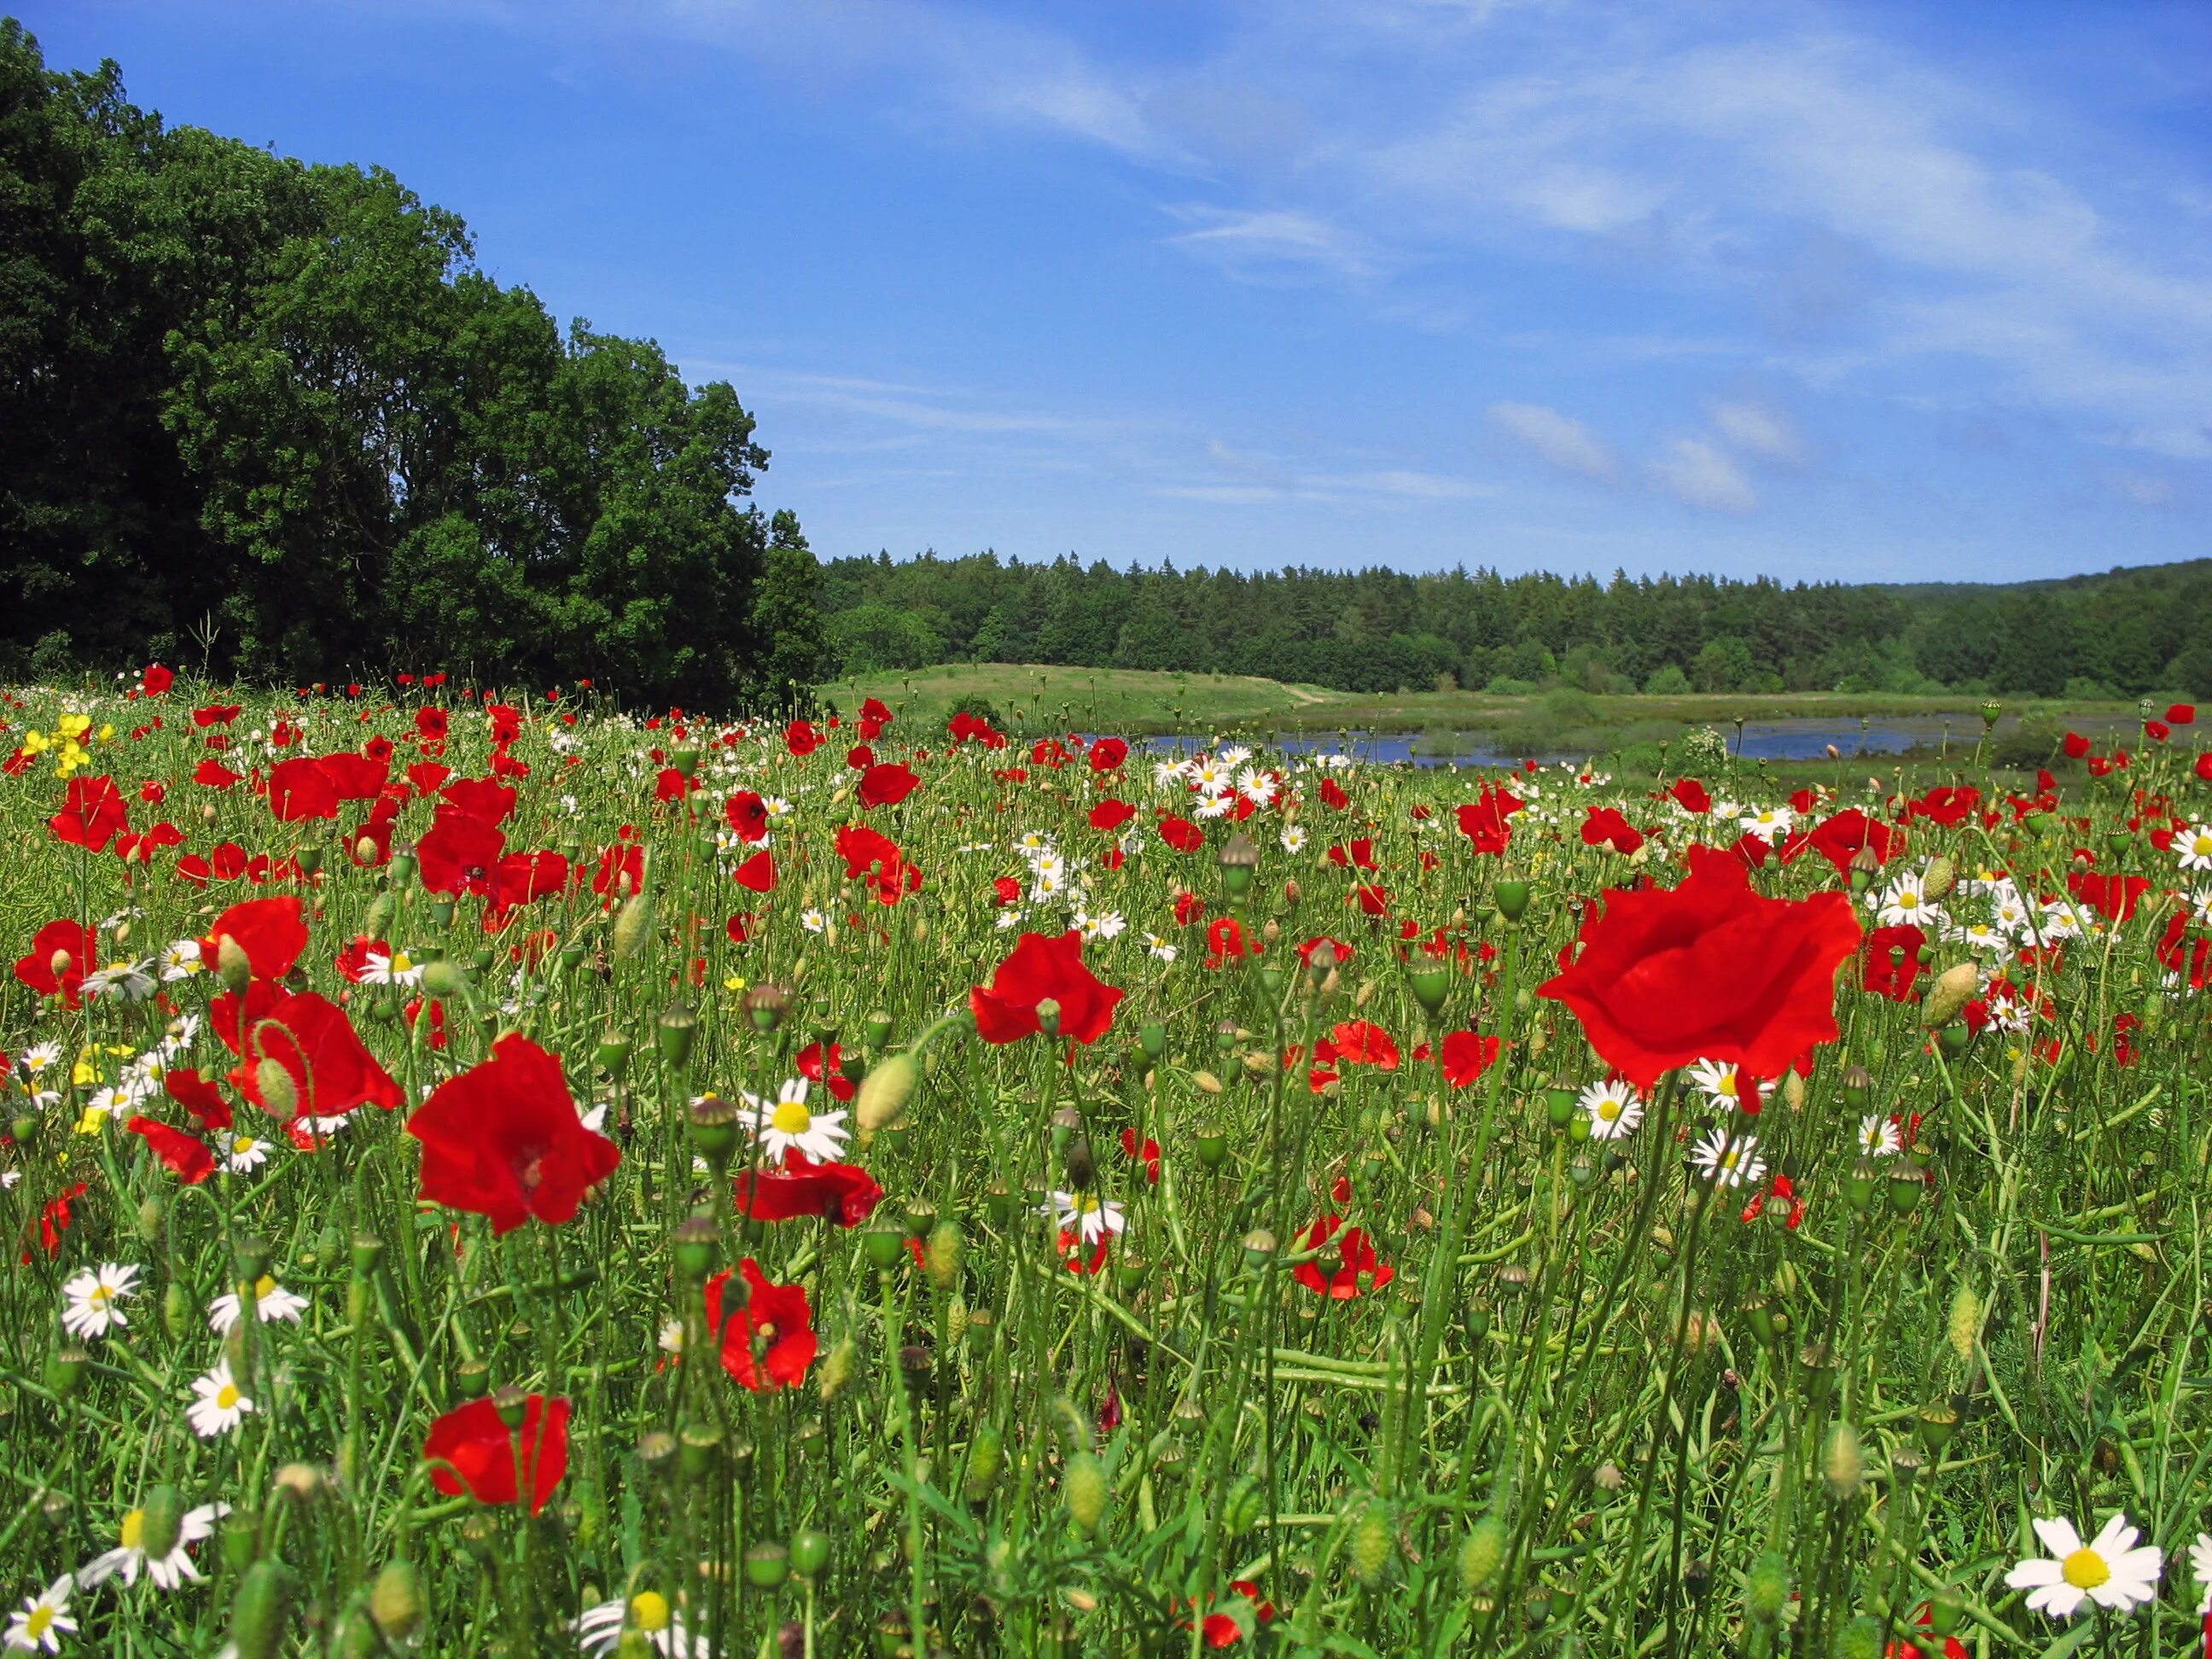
(488, 1174)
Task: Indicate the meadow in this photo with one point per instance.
(488, 1174)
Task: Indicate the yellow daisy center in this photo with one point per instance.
(1727, 1085)
(1730, 1158)
(226, 1397)
(649, 1611)
(242, 1144)
(35, 1623)
(402, 962)
(264, 1285)
(134, 1528)
(1609, 1109)
(2085, 1570)
(1083, 1204)
(102, 1295)
(790, 1117)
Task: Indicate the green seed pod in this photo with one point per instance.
(985, 1450)
(378, 922)
(280, 1095)
(1241, 1513)
(1940, 875)
(1084, 1489)
(233, 965)
(1952, 989)
(1766, 1590)
(262, 1610)
(162, 1523)
(633, 924)
(944, 1253)
(1965, 1322)
(885, 1092)
(766, 1564)
(241, 1539)
(1372, 1544)
(151, 1215)
(176, 1311)
(810, 1553)
(1860, 1639)
(1843, 1463)
(65, 1370)
(1481, 1555)
(837, 1368)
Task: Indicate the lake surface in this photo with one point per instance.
(1791, 739)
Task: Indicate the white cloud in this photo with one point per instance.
(1560, 440)
(1262, 239)
(1699, 474)
(1760, 431)
(2141, 489)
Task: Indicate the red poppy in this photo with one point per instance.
(621, 872)
(1894, 959)
(482, 798)
(1361, 1042)
(525, 877)
(185, 1156)
(299, 788)
(1107, 753)
(2181, 713)
(1039, 969)
(1372, 898)
(827, 1068)
(92, 813)
(273, 931)
(670, 785)
(1146, 1151)
(1224, 940)
(1604, 826)
(1111, 814)
(1344, 952)
(356, 777)
(1483, 820)
(758, 874)
(1467, 1056)
(212, 774)
(458, 854)
(842, 1193)
(1691, 795)
(871, 854)
(1947, 803)
(427, 775)
(54, 1218)
(2156, 730)
(60, 956)
(431, 724)
(1182, 834)
(1333, 795)
(2076, 746)
(1359, 854)
(1840, 837)
(888, 785)
(155, 679)
(1709, 970)
(1357, 1269)
(767, 1341)
(198, 1097)
(487, 1458)
(2111, 897)
(748, 815)
(503, 1139)
(874, 717)
(801, 739)
(310, 1039)
(1226, 1630)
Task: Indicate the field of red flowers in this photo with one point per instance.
(488, 1174)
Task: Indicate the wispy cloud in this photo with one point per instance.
(1268, 239)
(1558, 439)
(1758, 430)
(1700, 474)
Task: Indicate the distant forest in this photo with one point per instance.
(2121, 634)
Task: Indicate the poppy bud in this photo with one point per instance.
(1906, 1187)
(512, 1402)
(1965, 1322)
(1481, 1555)
(1860, 1639)
(471, 1379)
(444, 977)
(699, 1449)
(396, 1600)
(766, 1004)
(1945, 1612)
(944, 1254)
(1084, 1489)
(1952, 989)
(883, 1245)
(767, 1565)
(885, 1092)
(1856, 1085)
(985, 1448)
(151, 1214)
(1937, 880)
(232, 965)
(1291, 893)
(176, 1313)
(1372, 1544)
(1843, 1464)
(810, 1552)
(1047, 1015)
(264, 1607)
(632, 924)
(162, 1523)
(1766, 1589)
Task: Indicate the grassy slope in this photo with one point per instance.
(1128, 700)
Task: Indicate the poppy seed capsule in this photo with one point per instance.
(1085, 1491)
(1843, 1464)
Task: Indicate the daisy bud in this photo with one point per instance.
(1965, 1322)
(263, 1609)
(1952, 989)
(396, 1601)
(885, 1092)
(1843, 1464)
(1084, 1490)
(985, 1448)
(280, 1095)
(1372, 1544)
(1766, 1589)
(632, 924)
(1481, 1555)
(944, 1254)
(232, 965)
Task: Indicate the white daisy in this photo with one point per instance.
(1158, 949)
(44, 1620)
(113, 1099)
(271, 1302)
(1879, 1137)
(787, 1123)
(1294, 838)
(390, 968)
(812, 921)
(129, 1556)
(1255, 785)
(1106, 925)
(91, 1299)
(1087, 1215)
(1236, 755)
(2108, 1570)
(1214, 804)
(38, 1056)
(130, 981)
(2199, 1565)
(1613, 1109)
(180, 959)
(1729, 1160)
(1769, 824)
(1905, 900)
(219, 1405)
(244, 1153)
(2193, 846)
(599, 1628)
(1718, 1080)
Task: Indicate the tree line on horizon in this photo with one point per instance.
(271, 420)
(2123, 633)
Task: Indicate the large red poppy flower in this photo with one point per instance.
(503, 1140)
(1840, 837)
(300, 788)
(1039, 968)
(1710, 970)
(1466, 1057)
(1947, 803)
(1605, 826)
(1357, 1269)
(311, 1039)
(758, 874)
(801, 739)
(488, 1458)
(459, 853)
(1894, 960)
(480, 797)
(1224, 1630)
(1483, 820)
(1107, 753)
(888, 784)
(1182, 834)
(273, 931)
(197, 1096)
(1691, 795)
(801, 1190)
(356, 777)
(875, 715)
(871, 854)
(92, 813)
(2113, 898)
(767, 1343)
(71, 945)
(1111, 814)
(748, 815)
(186, 1156)
(1363, 1042)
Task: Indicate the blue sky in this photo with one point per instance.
(1824, 291)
